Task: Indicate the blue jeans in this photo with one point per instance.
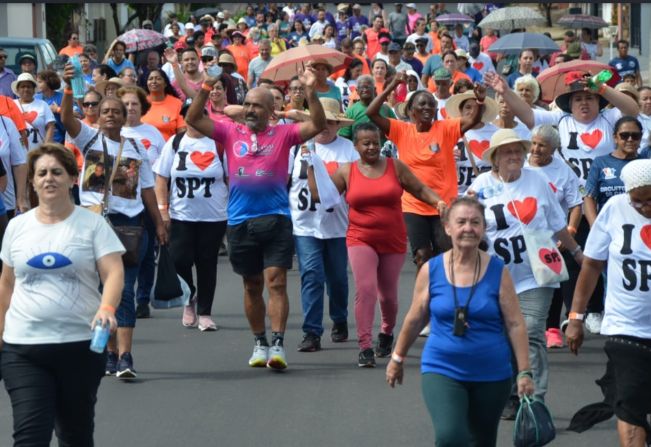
(148, 265)
(126, 311)
(322, 261)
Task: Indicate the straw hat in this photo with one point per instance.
(23, 77)
(572, 80)
(453, 106)
(321, 61)
(501, 138)
(627, 88)
(332, 110)
(101, 85)
(226, 58)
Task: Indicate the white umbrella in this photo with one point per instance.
(470, 8)
(513, 17)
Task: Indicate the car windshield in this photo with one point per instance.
(12, 53)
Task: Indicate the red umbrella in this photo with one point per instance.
(552, 80)
(285, 66)
(142, 39)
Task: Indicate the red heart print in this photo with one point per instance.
(202, 159)
(553, 187)
(478, 65)
(444, 113)
(331, 167)
(552, 259)
(526, 209)
(30, 116)
(645, 234)
(478, 147)
(145, 142)
(592, 139)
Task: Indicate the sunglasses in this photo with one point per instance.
(90, 104)
(206, 59)
(639, 205)
(635, 136)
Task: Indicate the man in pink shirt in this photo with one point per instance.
(412, 16)
(259, 231)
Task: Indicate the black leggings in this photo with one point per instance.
(52, 386)
(197, 243)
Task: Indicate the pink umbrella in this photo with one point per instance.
(284, 67)
(552, 80)
(142, 39)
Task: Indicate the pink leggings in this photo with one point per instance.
(374, 272)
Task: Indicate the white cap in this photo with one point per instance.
(636, 174)
(189, 25)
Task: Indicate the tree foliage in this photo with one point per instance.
(59, 21)
(139, 11)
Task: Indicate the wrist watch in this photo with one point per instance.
(576, 316)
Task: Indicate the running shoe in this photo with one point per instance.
(111, 363)
(206, 324)
(554, 338)
(260, 355)
(593, 322)
(310, 343)
(339, 333)
(143, 311)
(424, 332)
(366, 358)
(190, 314)
(510, 409)
(126, 371)
(384, 345)
(277, 358)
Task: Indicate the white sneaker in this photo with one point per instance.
(424, 332)
(593, 322)
(260, 355)
(277, 358)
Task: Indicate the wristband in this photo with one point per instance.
(602, 89)
(206, 87)
(524, 373)
(107, 308)
(67, 91)
(479, 102)
(576, 316)
(571, 230)
(576, 250)
(397, 358)
(162, 207)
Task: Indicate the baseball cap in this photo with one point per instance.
(442, 74)
(357, 6)
(411, 5)
(394, 46)
(209, 51)
(206, 18)
(342, 7)
(384, 40)
(147, 22)
(460, 52)
(220, 15)
(189, 25)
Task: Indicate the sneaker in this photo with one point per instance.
(384, 345)
(593, 322)
(510, 409)
(277, 358)
(424, 332)
(206, 324)
(554, 338)
(111, 363)
(564, 325)
(260, 355)
(310, 343)
(126, 370)
(366, 358)
(339, 333)
(190, 314)
(142, 310)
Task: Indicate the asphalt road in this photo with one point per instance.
(196, 388)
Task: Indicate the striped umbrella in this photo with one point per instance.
(454, 18)
(578, 21)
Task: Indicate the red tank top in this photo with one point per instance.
(375, 213)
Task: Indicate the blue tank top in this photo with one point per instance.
(483, 354)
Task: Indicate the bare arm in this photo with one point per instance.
(162, 198)
(49, 132)
(149, 199)
(621, 101)
(568, 242)
(7, 280)
(317, 121)
(20, 174)
(373, 109)
(590, 209)
(574, 218)
(338, 178)
(195, 116)
(109, 52)
(179, 77)
(414, 322)
(3, 183)
(71, 124)
(111, 271)
(520, 108)
(418, 189)
(235, 112)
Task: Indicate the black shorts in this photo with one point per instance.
(631, 360)
(426, 232)
(259, 243)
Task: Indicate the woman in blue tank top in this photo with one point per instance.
(469, 300)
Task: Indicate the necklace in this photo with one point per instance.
(461, 312)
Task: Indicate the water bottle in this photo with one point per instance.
(600, 78)
(100, 338)
(77, 82)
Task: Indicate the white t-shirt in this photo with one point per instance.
(645, 120)
(412, 38)
(582, 143)
(477, 141)
(150, 138)
(441, 113)
(37, 115)
(482, 63)
(12, 154)
(622, 236)
(134, 172)
(56, 291)
(198, 192)
(309, 218)
(563, 181)
(531, 198)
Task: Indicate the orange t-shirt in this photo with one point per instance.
(436, 43)
(430, 157)
(242, 56)
(69, 51)
(340, 73)
(165, 116)
(9, 109)
(431, 85)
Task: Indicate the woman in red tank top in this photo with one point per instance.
(376, 236)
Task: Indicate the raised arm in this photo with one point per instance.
(195, 116)
(317, 121)
(71, 124)
(373, 109)
(620, 100)
(520, 108)
(172, 58)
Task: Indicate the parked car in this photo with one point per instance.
(17, 46)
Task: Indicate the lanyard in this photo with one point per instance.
(474, 282)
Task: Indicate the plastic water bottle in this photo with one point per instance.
(100, 338)
(600, 78)
(77, 82)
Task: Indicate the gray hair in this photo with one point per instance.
(530, 81)
(548, 133)
(369, 78)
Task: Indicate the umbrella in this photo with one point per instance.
(285, 66)
(451, 19)
(470, 8)
(512, 17)
(577, 21)
(514, 43)
(142, 39)
(208, 10)
(552, 80)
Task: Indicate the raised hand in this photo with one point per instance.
(307, 76)
(68, 73)
(170, 55)
(480, 91)
(495, 81)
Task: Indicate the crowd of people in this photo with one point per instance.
(423, 142)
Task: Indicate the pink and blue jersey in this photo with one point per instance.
(257, 168)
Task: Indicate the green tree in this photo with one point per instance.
(140, 11)
(59, 21)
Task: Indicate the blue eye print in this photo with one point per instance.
(49, 261)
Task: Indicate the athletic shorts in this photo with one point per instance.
(426, 232)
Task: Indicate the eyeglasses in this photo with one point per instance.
(3, 56)
(90, 104)
(635, 136)
(639, 205)
(206, 59)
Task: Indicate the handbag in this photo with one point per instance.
(167, 286)
(547, 263)
(534, 426)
